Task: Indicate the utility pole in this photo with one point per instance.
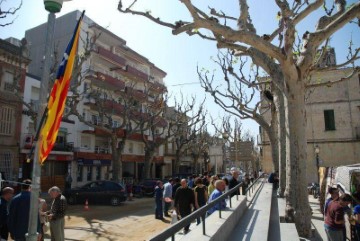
(52, 6)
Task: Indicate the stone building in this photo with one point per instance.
(333, 123)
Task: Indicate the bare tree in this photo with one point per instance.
(198, 148)
(278, 60)
(162, 125)
(237, 95)
(10, 12)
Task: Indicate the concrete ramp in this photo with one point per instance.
(254, 225)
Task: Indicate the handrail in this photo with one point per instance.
(199, 213)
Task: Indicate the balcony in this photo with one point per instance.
(68, 147)
(101, 150)
(107, 106)
(106, 81)
(156, 86)
(109, 55)
(90, 155)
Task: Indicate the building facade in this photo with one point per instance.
(114, 70)
(13, 65)
(333, 123)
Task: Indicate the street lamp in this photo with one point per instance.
(317, 151)
(52, 6)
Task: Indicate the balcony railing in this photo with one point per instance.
(111, 56)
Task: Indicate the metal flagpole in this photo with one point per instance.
(52, 6)
(44, 89)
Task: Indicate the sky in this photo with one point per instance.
(177, 55)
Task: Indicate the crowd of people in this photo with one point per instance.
(336, 208)
(188, 195)
(14, 213)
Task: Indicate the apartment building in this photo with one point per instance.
(13, 65)
(333, 123)
(115, 70)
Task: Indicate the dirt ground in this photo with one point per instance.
(131, 221)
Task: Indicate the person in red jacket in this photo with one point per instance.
(334, 218)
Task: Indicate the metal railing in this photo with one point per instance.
(201, 212)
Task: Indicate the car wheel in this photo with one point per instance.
(72, 200)
(115, 201)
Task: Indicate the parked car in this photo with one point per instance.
(97, 192)
(148, 186)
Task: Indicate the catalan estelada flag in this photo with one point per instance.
(57, 98)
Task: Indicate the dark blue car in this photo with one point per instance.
(97, 192)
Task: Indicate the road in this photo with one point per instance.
(131, 221)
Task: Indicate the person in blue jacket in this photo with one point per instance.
(159, 200)
(19, 208)
(6, 195)
(357, 222)
(219, 188)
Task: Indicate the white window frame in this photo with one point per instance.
(5, 164)
(6, 120)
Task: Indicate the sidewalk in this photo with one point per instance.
(317, 220)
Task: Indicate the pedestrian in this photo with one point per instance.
(205, 179)
(356, 195)
(357, 222)
(274, 179)
(226, 184)
(245, 184)
(201, 195)
(176, 185)
(42, 217)
(219, 188)
(159, 200)
(334, 195)
(191, 181)
(184, 201)
(211, 186)
(234, 181)
(19, 209)
(6, 195)
(167, 194)
(334, 218)
(68, 181)
(56, 214)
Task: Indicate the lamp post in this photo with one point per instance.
(52, 6)
(225, 136)
(317, 151)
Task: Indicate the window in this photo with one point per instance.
(9, 82)
(5, 165)
(89, 173)
(6, 120)
(329, 119)
(79, 173)
(98, 172)
(131, 147)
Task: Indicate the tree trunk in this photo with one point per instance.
(274, 146)
(177, 161)
(296, 168)
(116, 160)
(279, 103)
(149, 155)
